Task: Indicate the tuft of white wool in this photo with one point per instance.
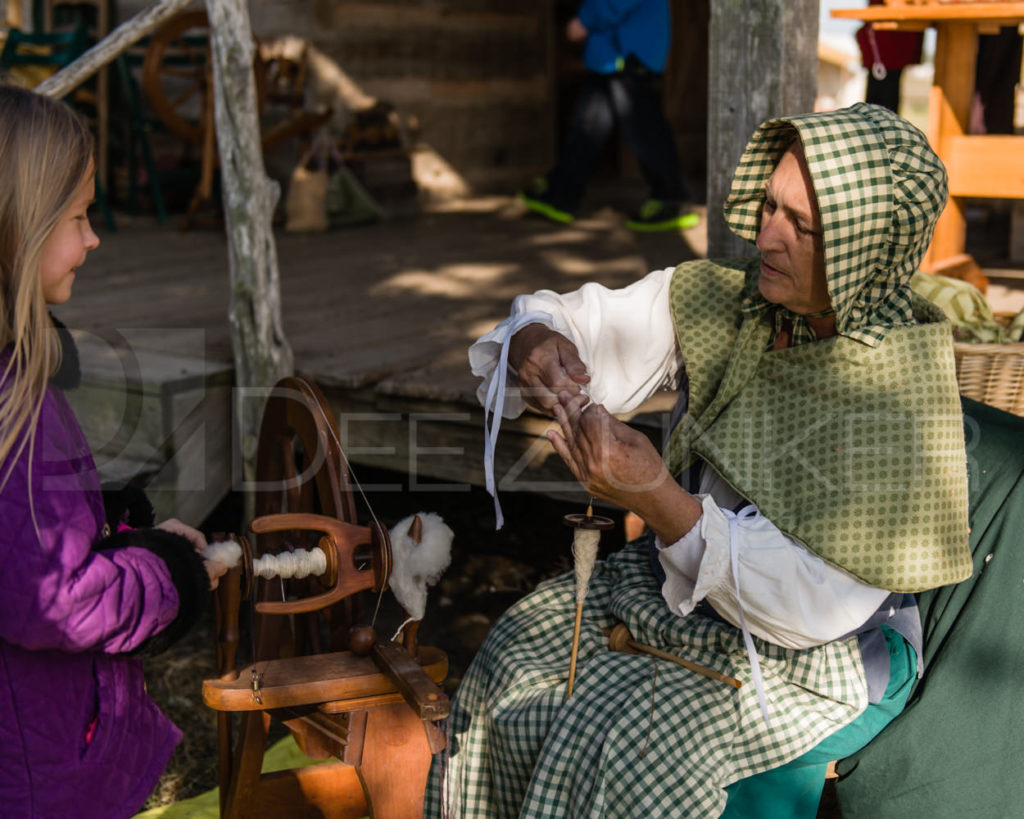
(415, 566)
(227, 553)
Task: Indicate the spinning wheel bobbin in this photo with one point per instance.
(338, 542)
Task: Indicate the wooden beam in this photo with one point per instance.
(120, 39)
(262, 354)
(949, 111)
(762, 63)
(986, 166)
(1001, 13)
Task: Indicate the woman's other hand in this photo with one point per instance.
(619, 464)
(547, 364)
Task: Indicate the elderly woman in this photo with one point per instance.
(814, 480)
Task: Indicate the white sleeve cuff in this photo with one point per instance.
(791, 597)
(484, 355)
(690, 570)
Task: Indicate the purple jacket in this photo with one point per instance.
(77, 606)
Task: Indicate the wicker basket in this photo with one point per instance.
(992, 374)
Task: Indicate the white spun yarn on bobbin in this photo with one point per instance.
(300, 563)
(584, 555)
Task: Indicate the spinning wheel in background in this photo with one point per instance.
(176, 74)
(177, 80)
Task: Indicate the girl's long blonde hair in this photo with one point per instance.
(45, 153)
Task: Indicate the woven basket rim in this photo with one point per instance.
(990, 347)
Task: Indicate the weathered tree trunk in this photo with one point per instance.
(763, 63)
(262, 353)
(107, 50)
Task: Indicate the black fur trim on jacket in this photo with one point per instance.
(126, 504)
(69, 374)
(187, 573)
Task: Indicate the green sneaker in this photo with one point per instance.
(535, 198)
(655, 215)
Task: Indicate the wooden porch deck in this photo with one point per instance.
(379, 316)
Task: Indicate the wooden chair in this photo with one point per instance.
(370, 704)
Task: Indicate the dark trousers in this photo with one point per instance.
(885, 92)
(632, 99)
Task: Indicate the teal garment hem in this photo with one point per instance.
(793, 790)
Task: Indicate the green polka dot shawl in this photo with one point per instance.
(852, 445)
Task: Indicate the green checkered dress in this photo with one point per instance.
(645, 737)
(640, 736)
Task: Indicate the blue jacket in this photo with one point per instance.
(619, 28)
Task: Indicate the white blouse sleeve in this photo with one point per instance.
(789, 596)
(626, 339)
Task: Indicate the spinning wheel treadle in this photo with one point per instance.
(373, 709)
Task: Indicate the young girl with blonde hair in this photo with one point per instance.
(88, 583)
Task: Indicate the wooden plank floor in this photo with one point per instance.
(399, 300)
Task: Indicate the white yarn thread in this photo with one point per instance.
(584, 556)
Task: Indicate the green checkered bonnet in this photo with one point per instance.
(880, 188)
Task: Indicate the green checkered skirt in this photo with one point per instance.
(641, 736)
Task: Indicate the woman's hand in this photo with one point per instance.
(547, 363)
(616, 463)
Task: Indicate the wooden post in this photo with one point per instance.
(261, 351)
(949, 112)
(105, 51)
(762, 63)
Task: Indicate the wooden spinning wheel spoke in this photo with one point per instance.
(179, 52)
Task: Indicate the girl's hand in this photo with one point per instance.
(215, 569)
(194, 536)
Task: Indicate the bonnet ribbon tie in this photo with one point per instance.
(748, 512)
(495, 403)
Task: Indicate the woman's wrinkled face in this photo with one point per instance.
(790, 240)
(68, 244)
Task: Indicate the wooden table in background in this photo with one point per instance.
(978, 166)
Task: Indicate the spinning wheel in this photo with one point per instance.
(176, 74)
(178, 83)
(370, 704)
